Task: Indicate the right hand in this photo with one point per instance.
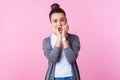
(57, 32)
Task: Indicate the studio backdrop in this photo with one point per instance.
(25, 23)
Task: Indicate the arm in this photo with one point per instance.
(72, 49)
(52, 54)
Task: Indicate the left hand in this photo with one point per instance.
(65, 30)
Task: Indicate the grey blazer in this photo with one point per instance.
(53, 55)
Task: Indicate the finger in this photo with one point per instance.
(67, 27)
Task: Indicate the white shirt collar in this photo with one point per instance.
(53, 36)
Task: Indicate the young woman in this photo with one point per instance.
(61, 48)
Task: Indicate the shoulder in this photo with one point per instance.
(74, 40)
(46, 43)
(73, 36)
(46, 39)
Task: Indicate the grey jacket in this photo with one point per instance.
(71, 54)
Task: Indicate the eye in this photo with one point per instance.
(62, 20)
(55, 21)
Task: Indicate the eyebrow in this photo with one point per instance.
(60, 18)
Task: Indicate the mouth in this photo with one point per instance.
(60, 29)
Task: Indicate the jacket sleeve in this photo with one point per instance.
(52, 54)
(72, 51)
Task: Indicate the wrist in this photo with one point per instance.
(59, 38)
(64, 38)
(65, 42)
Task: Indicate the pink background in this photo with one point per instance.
(24, 24)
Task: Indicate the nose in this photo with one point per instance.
(59, 24)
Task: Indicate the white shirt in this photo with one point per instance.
(63, 67)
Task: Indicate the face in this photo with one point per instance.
(58, 20)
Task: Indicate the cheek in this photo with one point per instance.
(54, 27)
(65, 22)
(54, 24)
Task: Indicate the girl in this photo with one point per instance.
(61, 48)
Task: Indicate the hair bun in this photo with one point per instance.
(55, 6)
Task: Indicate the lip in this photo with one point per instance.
(60, 29)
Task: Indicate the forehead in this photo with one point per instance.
(57, 16)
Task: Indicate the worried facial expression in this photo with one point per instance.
(58, 20)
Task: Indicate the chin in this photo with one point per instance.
(60, 32)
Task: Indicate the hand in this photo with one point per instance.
(56, 31)
(65, 30)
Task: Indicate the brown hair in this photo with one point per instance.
(55, 8)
